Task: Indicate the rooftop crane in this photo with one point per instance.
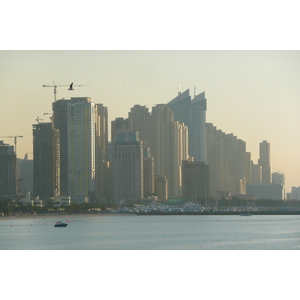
(51, 118)
(15, 139)
(56, 85)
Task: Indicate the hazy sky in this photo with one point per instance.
(253, 94)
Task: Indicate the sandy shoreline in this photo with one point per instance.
(50, 216)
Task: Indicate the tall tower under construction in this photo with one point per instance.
(46, 160)
(8, 169)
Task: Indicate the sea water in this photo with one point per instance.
(132, 232)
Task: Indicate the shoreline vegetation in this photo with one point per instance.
(14, 209)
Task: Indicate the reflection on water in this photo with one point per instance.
(131, 232)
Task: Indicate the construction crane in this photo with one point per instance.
(38, 120)
(15, 139)
(56, 85)
(51, 118)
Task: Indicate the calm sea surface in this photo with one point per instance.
(132, 232)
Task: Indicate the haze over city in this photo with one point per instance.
(252, 94)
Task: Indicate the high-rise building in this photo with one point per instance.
(198, 128)
(278, 178)
(216, 160)
(46, 160)
(8, 170)
(256, 177)
(167, 140)
(99, 141)
(195, 180)
(192, 112)
(140, 119)
(60, 122)
(229, 163)
(181, 106)
(81, 149)
(169, 146)
(101, 153)
(148, 171)
(120, 125)
(128, 168)
(264, 161)
(161, 187)
(25, 175)
(294, 194)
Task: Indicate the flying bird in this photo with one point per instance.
(71, 87)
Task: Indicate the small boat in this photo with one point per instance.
(60, 224)
(246, 214)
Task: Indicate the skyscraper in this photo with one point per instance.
(101, 152)
(46, 160)
(60, 122)
(8, 170)
(120, 125)
(195, 180)
(140, 119)
(90, 118)
(148, 172)
(169, 147)
(192, 112)
(264, 161)
(167, 140)
(229, 163)
(216, 159)
(198, 129)
(128, 167)
(81, 149)
(25, 175)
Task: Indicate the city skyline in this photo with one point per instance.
(252, 94)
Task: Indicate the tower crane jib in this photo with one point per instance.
(15, 140)
(57, 85)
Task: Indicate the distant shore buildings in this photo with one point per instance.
(169, 152)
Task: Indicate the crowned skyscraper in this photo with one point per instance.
(192, 112)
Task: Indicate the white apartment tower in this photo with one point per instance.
(81, 149)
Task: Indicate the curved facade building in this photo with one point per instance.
(192, 112)
(198, 128)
